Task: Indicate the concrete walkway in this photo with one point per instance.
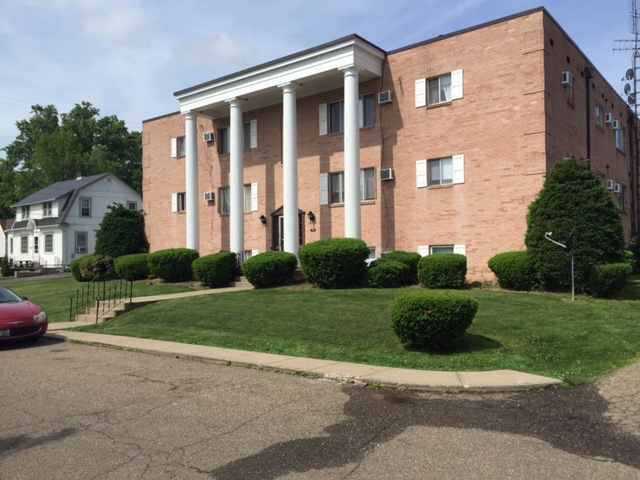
(498, 380)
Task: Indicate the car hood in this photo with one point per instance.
(17, 312)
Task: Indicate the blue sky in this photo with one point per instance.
(128, 57)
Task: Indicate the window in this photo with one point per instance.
(599, 116)
(48, 243)
(35, 244)
(620, 197)
(223, 140)
(569, 87)
(81, 242)
(26, 212)
(85, 207)
(223, 200)
(249, 134)
(440, 171)
(332, 115)
(24, 244)
(439, 90)
(178, 202)
(335, 192)
(439, 249)
(336, 117)
(11, 245)
(620, 138)
(132, 205)
(178, 147)
(47, 209)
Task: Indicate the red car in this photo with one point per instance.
(20, 318)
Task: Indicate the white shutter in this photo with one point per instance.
(421, 92)
(457, 89)
(458, 168)
(322, 117)
(360, 113)
(423, 251)
(174, 148)
(254, 252)
(421, 173)
(174, 202)
(253, 128)
(461, 249)
(324, 189)
(254, 197)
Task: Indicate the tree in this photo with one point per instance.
(121, 233)
(573, 199)
(51, 148)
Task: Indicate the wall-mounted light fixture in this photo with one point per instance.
(263, 219)
(311, 216)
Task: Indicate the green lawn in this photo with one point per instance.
(547, 334)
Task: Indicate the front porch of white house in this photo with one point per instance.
(343, 63)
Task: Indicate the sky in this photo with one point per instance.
(128, 57)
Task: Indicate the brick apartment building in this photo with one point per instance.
(436, 147)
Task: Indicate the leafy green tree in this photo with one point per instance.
(573, 199)
(121, 233)
(51, 148)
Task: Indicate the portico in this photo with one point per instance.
(343, 64)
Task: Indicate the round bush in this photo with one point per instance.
(607, 280)
(514, 270)
(270, 269)
(432, 320)
(215, 271)
(335, 263)
(92, 268)
(132, 267)
(447, 270)
(410, 259)
(385, 273)
(172, 265)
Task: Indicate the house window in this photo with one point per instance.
(26, 212)
(439, 89)
(599, 116)
(178, 147)
(336, 117)
(441, 171)
(11, 245)
(35, 244)
(223, 140)
(569, 87)
(620, 138)
(439, 249)
(48, 243)
(81, 242)
(132, 205)
(367, 186)
(620, 197)
(47, 209)
(223, 200)
(85, 207)
(333, 114)
(178, 202)
(24, 244)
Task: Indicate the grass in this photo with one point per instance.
(546, 334)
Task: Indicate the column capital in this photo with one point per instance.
(236, 101)
(290, 86)
(191, 114)
(351, 70)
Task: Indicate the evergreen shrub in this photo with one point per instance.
(447, 270)
(432, 320)
(385, 273)
(270, 269)
(607, 280)
(335, 263)
(173, 264)
(92, 268)
(132, 267)
(216, 270)
(513, 270)
(410, 259)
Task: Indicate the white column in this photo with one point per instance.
(290, 167)
(352, 220)
(236, 187)
(191, 194)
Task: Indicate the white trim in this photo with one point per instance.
(322, 118)
(174, 202)
(457, 89)
(324, 189)
(174, 148)
(421, 173)
(458, 168)
(253, 129)
(421, 92)
(460, 249)
(254, 197)
(423, 250)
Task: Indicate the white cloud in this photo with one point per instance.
(120, 25)
(221, 50)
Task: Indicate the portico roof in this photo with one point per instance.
(315, 70)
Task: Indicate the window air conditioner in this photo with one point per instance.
(208, 196)
(617, 188)
(386, 174)
(616, 124)
(385, 97)
(567, 78)
(207, 137)
(608, 117)
(610, 184)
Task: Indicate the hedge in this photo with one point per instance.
(514, 270)
(385, 273)
(215, 271)
(270, 269)
(335, 262)
(132, 267)
(447, 270)
(172, 265)
(607, 280)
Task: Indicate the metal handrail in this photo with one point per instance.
(104, 297)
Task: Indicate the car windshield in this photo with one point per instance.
(7, 296)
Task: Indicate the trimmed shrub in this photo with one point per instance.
(92, 268)
(447, 270)
(335, 262)
(410, 259)
(6, 269)
(514, 270)
(270, 269)
(385, 273)
(121, 232)
(215, 271)
(431, 320)
(132, 267)
(607, 280)
(173, 264)
(634, 246)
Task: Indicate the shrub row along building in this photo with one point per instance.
(436, 147)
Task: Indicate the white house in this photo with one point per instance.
(58, 224)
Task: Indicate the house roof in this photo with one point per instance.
(59, 189)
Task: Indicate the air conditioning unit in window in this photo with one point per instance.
(386, 174)
(616, 124)
(208, 196)
(617, 188)
(385, 97)
(608, 117)
(610, 184)
(207, 137)
(567, 78)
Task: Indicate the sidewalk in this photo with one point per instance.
(498, 380)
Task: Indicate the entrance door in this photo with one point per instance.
(277, 233)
